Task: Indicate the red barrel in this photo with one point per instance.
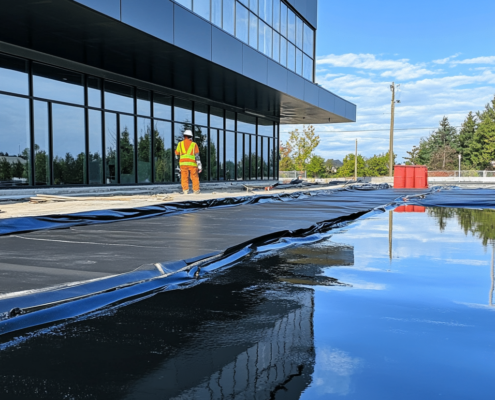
(400, 209)
(420, 177)
(410, 208)
(419, 209)
(399, 177)
(410, 176)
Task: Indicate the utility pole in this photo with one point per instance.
(355, 164)
(392, 117)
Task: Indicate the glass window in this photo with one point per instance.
(259, 165)
(276, 15)
(110, 148)
(216, 12)
(230, 120)
(201, 139)
(247, 153)
(126, 147)
(162, 106)
(182, 110)
(265, 127)
(245, 2)
(13, 75)
(241, 27)
(221, 153)
(185, 3)
(283, 19)
(261, 37)
(119, 97)
(14, 141)
(240, 156)
(276, 46)
(299, 62)
(216, 117)
(308, 40)
(253, 5)
(58, 84)
(202, 8)
(283, 51)
(265, 10)
(94, 92)
(299, 32)
(213, 154)
(144, 150)
(253, 30)
(254, 159)
(246, 123)
(228, 16)
(307, 68)
(69, 145)
(200, 114)
(265, 39)
(268, 41)
(229, 156)
(291, 26)
(143, 102)
(41, 144)
(266, 158)
(291, 57)
(95, 156)
(162, 151)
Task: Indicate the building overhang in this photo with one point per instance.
(98, 44)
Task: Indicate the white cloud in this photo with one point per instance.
(446, 60)
(424, 102)
(477, 60)
(401, 69)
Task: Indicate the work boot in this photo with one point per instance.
(185, 192)
(197, 191)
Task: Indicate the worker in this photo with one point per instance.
(189, 161)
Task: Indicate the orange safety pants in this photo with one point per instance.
(185, 172)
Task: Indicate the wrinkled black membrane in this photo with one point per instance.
(10, 226)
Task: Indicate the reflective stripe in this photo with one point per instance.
(187, 157)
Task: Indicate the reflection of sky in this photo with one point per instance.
(14, 124)
(426, 329)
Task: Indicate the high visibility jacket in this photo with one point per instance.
(187, 157)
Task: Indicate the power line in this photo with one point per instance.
(379, 130)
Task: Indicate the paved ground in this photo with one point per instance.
(46, 258)
(23, 208)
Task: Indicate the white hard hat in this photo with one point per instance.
(188, 133)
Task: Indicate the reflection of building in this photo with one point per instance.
(99, 92)
(259, 357)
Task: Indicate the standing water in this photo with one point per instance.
(396, 306)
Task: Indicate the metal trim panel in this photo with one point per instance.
(295, 85)
(254, 64)
(192, 33)
(277, 76)
(144, 12)
(311, 93)
(226, 50)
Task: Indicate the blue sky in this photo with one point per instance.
(441, 52)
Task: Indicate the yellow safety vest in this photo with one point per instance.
(187, 157)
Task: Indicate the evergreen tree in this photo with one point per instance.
(482, 148)
(466, 138)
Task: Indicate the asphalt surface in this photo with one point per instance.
(46, 258)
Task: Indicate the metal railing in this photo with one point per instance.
(463, 174)
(292, 174)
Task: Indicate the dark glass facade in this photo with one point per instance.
(63, 127)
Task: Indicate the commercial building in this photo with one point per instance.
(96, 92)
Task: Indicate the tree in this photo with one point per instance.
(300, 146)
(286, 163)
(378, 165)
(316, 165)
(347, 170)
(5, 169)
(466, 138)
(413, 158)
(482, 147)
(445, 158)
